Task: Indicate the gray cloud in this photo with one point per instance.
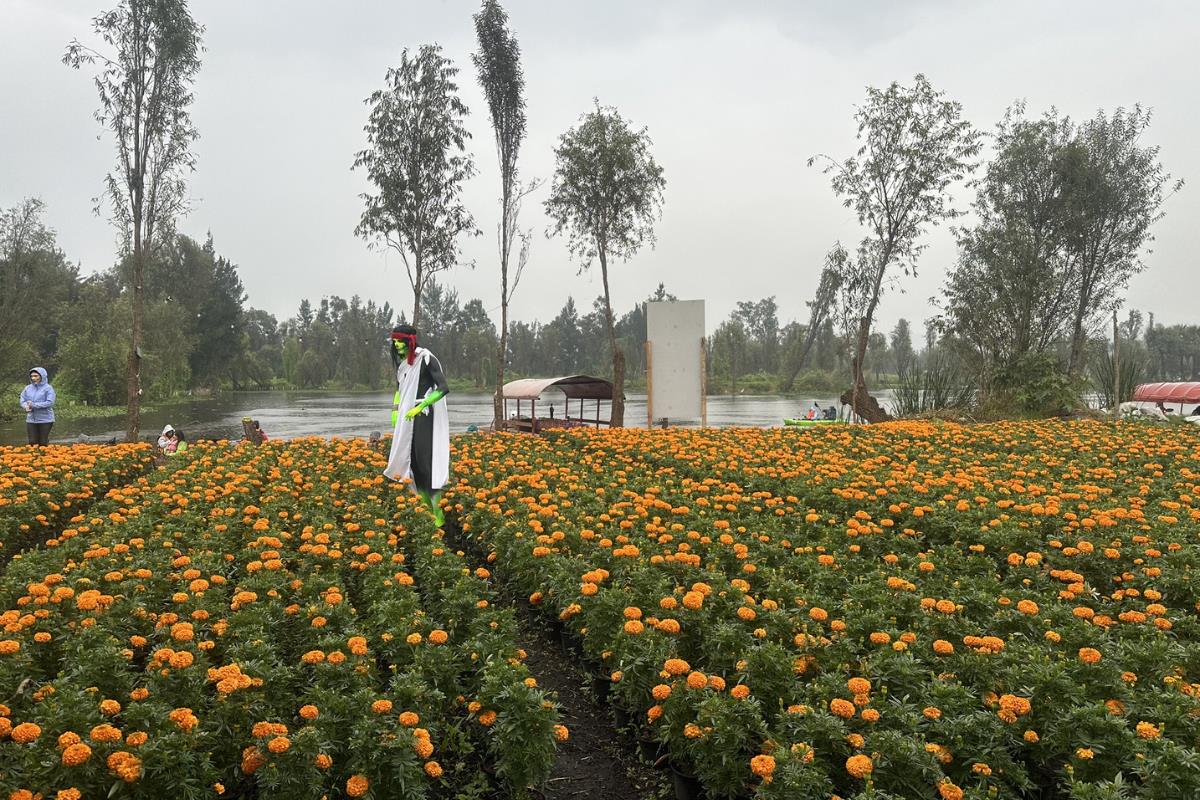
(735, 95)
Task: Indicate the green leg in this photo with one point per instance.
(438, 515)
(433, 503)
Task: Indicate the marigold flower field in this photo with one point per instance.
(909, 610)
(249, 622)
(906, 610)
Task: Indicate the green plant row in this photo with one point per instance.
(265, 622)
(910, 610)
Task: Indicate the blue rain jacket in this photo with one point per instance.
(42, 397)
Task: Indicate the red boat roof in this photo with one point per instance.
(1187, 392)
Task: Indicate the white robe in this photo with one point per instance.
(408, 377)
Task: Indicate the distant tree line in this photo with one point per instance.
(202, 334)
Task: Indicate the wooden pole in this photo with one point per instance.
(703, 382)
(649, 386)
(1116, 367)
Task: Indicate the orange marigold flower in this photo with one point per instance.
(1089, 655)
(561, 733)
(763, 766)
(279, 744)
(25, 733)
(409, 718)
(381, 707)
(740, 692)
(439, 636)
(697, 680)
(76, 754)
(433, 769)
(858, 685)
(676, 666)
(105, 733)
(1031, 737)
(942, 647)
(309, 712)
(949, 791)
(357, 785)
(841, 708)
(183, 717)
(1146, 730)
(322, 761)
(859, 766)
(125, 766)
(661, 692)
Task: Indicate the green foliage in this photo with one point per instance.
(913, 144)
(36, 284)
(416, 160)
(93, 351)
(1132, 372)
(1033, 385)
(941, 385)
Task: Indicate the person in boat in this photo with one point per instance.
(814, 412)
(262, 435)
(830, 413)
(421, 428)
(164, 438)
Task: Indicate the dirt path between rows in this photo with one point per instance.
(599, 760)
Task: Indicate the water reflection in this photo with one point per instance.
(291, 414)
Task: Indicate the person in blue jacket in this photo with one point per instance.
(38, 401)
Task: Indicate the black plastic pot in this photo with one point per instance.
(621, 716)
(687, 786)
(651, 749)
(601, 687)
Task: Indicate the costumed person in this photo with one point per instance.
(37, 401)
(421, 427)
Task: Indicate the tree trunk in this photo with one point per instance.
(501, 354)
(133, 367)
(618, 358)
(502, 347)
(1078, 341)
(863, 404)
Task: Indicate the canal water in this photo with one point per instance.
(291, 414)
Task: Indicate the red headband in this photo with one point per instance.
(411, 340)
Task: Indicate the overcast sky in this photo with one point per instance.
(736, 96)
